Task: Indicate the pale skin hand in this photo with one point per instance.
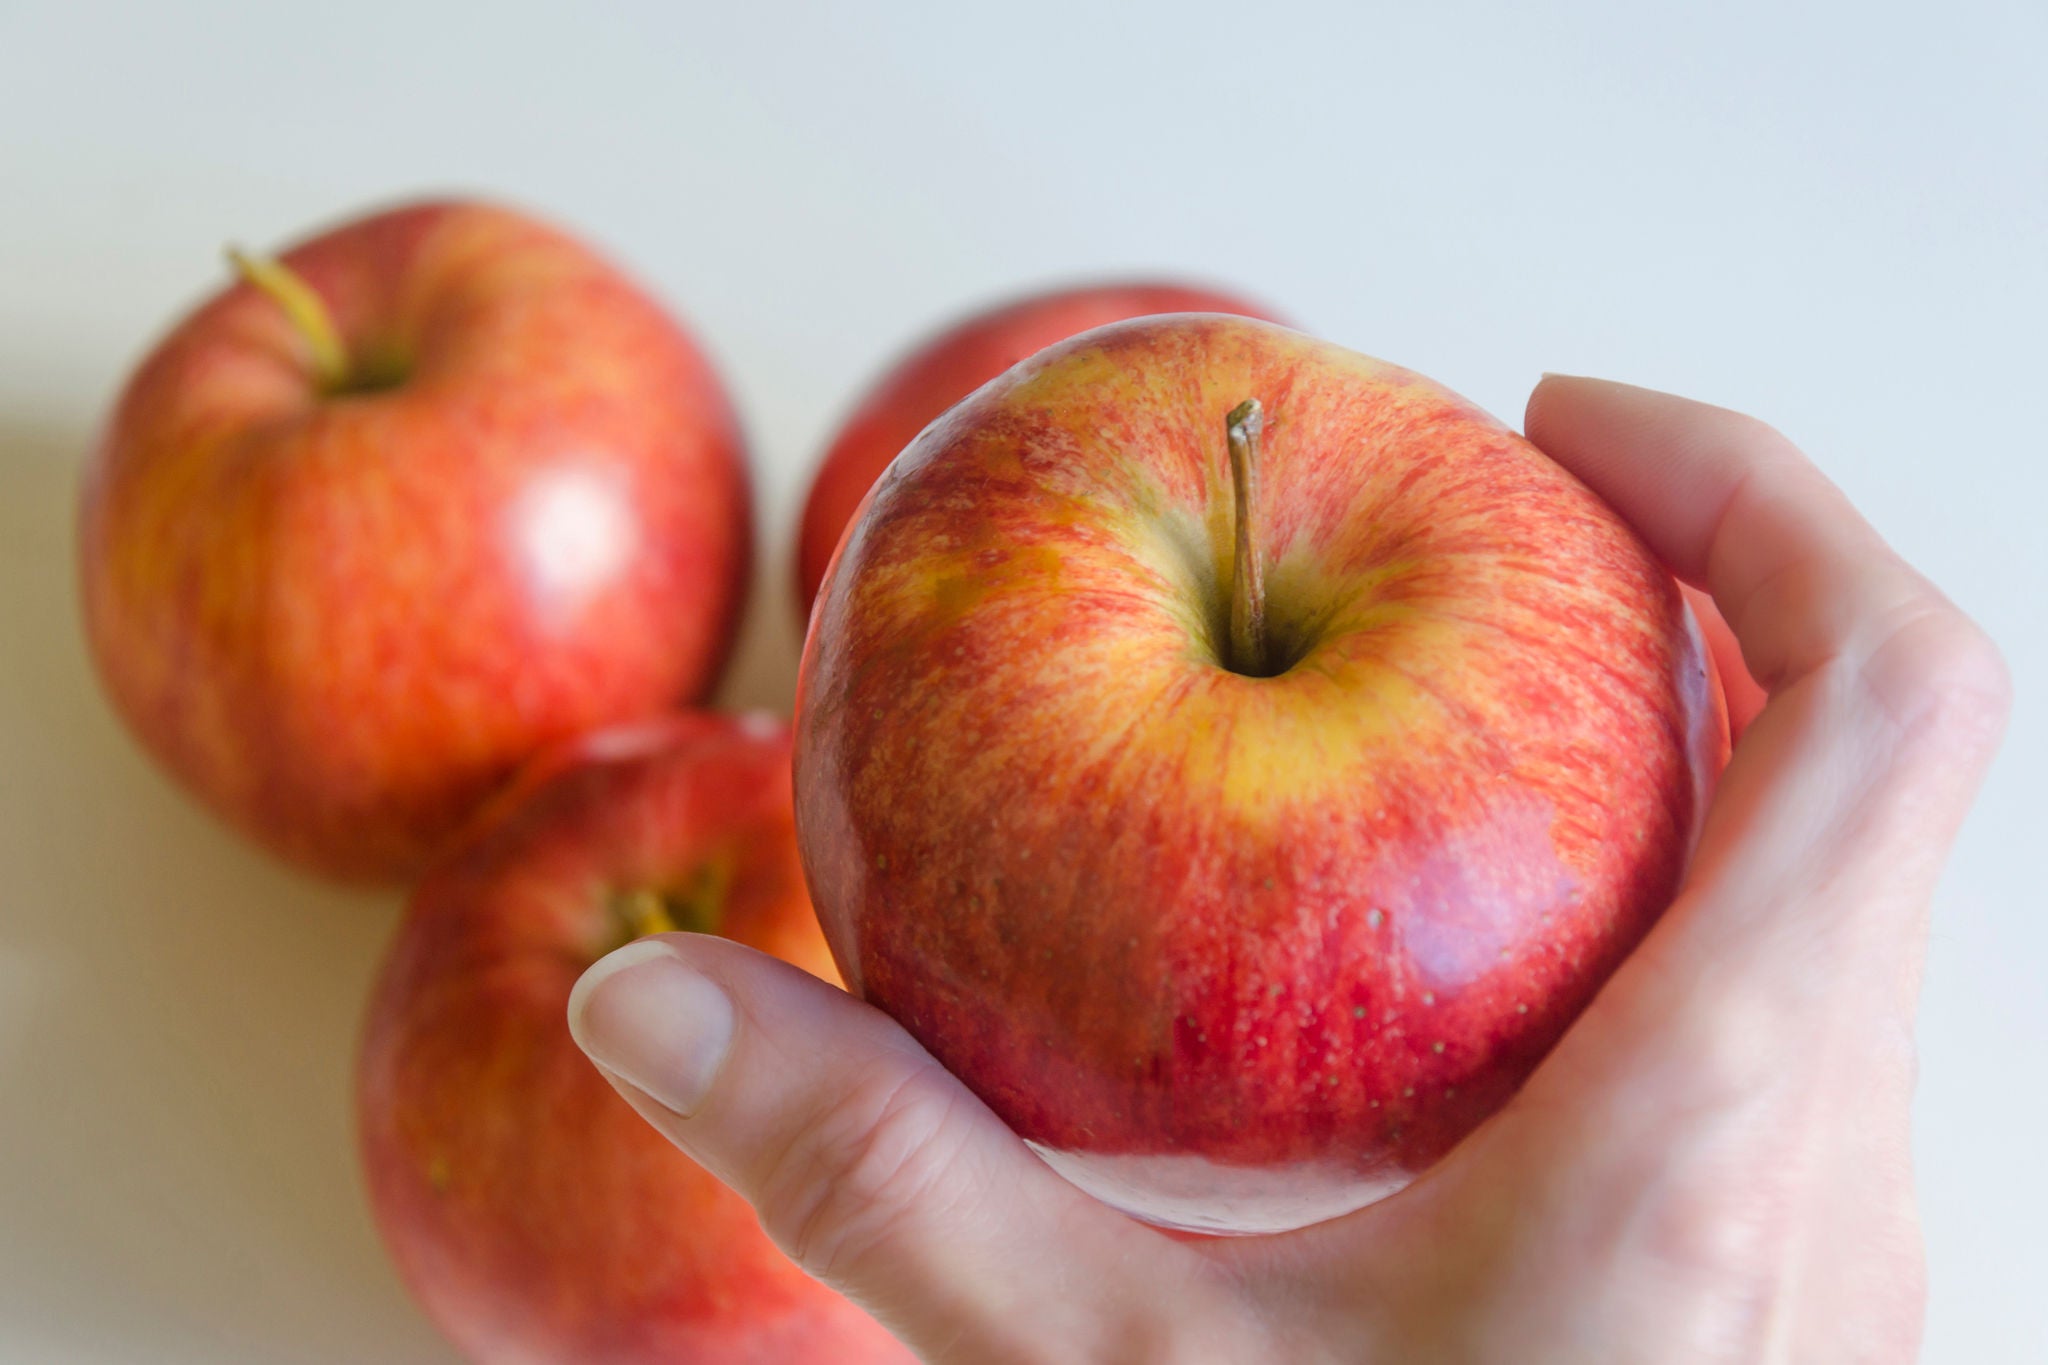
(1712, 1166)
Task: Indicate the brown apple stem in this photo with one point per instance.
(308, 314)
(1248, 578)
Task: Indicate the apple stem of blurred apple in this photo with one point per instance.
(1248, 576)
(303, 306)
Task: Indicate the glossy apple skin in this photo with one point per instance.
(948, 367)
(530, 1210)
(1147, 906)
(343, 620)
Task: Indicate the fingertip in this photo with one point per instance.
(1554, 402)
(597, 974)
(650, 1019)
(1553, 394)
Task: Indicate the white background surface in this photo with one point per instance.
(1835, 216)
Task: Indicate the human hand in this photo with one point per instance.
(1712, 1165)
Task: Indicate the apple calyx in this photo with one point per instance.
(307, 313)
(695, 907)
(1248, 651)
(646, 912)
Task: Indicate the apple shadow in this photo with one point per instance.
(178, 1017)
(762, 674)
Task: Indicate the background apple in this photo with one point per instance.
(1242, 937)
(533, 1213)
(366, 531)
(948, 367)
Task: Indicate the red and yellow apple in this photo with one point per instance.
(948, 367)
(530, 1210)
(376, 523)
(1242, 838)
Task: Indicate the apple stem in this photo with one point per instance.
(308, 314)
(1248, 578)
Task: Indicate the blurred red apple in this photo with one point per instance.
(945, 370)
(376, 523)
(1243, 840)
(531, 1211)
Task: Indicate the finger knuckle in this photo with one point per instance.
(857, 1171)
(1746, 432)
(1940, 677)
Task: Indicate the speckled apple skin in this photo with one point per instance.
(535, 1216)
(948, 367)
(343, 620)
(1145, 905)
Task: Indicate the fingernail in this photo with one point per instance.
(655, 1022)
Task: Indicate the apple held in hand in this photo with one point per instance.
(376, 523)
(532, 1212)
(1243, 836)
(945, 370)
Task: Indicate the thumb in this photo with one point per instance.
(867, 1162)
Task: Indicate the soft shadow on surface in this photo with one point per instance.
(178, 1018)
(762, 674)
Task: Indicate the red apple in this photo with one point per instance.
(945, 370)
(530, 1210)
(1242, 900)
(373, 525)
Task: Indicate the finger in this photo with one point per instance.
(1895, 674)
(1829, 827)
(868, 1164)
(1732, 505)
(1743, 695)
(1789, 964)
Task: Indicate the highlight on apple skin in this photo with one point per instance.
(945, 369)
(1242, 941)
(534, 1215)
(382, 519)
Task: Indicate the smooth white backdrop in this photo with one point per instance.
(1832, 215)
